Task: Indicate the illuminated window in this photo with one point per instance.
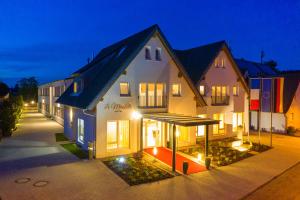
(216, 63)
(158, 54)
(235, 91)
(124, 89)
(201, 129)
(176, 89)
(202, 90)
(143, 94)
(219, 128)
(148, 53)
(151, 94)
(80, 130)
(118, 134)
(223, 63)
(159, 94)
(75, 87)
(112, 135)
(237, 121)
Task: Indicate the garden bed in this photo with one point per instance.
(60, 137)
(74, 149)
(134, 170)
(222, 153)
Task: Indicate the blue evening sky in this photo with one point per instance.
(50, 39)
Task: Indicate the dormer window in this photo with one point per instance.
(77, 86)
(158, 54)
(148, 53)
(220, 62)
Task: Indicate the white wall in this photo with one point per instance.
(224, 77)
(278, 121)
(148, 71)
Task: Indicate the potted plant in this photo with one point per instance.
(185, 167)
(207, 162)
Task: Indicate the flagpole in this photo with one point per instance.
(271, 104)
(259, 110)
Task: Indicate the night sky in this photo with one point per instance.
(51, 39)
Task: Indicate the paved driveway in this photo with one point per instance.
(69, 178)
(33, 145)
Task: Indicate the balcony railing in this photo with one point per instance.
(219, 100)
(152, 102)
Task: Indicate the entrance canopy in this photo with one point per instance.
(180, 120)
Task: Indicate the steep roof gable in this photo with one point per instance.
(198, 60)
(101, 73)
(254, 69)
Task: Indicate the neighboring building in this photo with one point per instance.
(292, 98)
(219, 81)
(139, 74)
(270, 84)
(48, 94)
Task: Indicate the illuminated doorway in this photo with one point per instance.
(152, 133)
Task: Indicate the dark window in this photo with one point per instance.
(147, 53)
(158, 54)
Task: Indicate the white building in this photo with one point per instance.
(48, 94)
(137, 94)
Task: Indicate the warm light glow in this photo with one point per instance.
(136, 115)
(237, 143)
(58, 105)
(121, 160)
(71, 115)
(199, 157)
(155, 151)
(43, 100)
(26, 104)
(32, 102)
(177, 133)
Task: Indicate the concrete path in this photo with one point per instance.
(33, 145)
(286, 186)
(92, 180)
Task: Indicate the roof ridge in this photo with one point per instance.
(202, 46)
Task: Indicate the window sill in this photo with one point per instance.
(176, 95)
(125, 95)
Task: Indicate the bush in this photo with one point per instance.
(10, 114)
(291, 130)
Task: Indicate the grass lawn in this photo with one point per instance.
(135, 170)
(74, 149)
(59, 137)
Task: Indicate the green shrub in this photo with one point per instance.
(10, 114)
(291, 130)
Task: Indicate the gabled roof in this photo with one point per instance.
(254, 69)
(108, 65)
(291, 84)
(198, 60)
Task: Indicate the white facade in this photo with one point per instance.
(278, 121)
(47, 96)
(112, 119)
(232, 106)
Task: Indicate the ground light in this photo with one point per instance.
(32, 102)
(155, 151)
(121, 160)
(199, 157)
(26, 104)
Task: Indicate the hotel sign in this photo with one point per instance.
(116, 107)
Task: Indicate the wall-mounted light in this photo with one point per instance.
(32, 102)
(136, 115)
(58, 105)
(43, 100)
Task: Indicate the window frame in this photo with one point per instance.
(79, 128)
(158, 52)
(178, 94)
(220, 131)
(148, 53)
(128, 89)
(117, 143)
(202, 86)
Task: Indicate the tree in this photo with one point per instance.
(28, 88)
(4, 89)
(272, 64)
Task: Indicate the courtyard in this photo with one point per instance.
(34, 166)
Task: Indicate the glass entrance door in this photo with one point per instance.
(152, 133)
